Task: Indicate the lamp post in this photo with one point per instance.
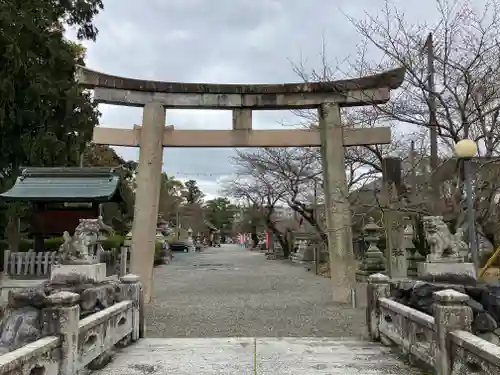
(466, 149)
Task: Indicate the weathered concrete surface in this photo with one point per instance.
(337, 212)
(13, 284)
(95, 271)
(230, 291)
(267, 356)
(88, 78)
(147, 196)
(240, 138)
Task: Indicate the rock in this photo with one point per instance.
(422, 297)
(483, 323)
(34, 297)
(107, 295)
(476, 292)
(63, 299)
(101, 296)
(21, 326)
(100, 362)
(88, 299)
(475, 306)
(491, 337)
(491, 302)
(401, 291)
(3, 311)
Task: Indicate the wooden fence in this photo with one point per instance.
(118, 261)
(29, 263)
(38, 264)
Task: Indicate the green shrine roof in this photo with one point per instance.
(65, 185)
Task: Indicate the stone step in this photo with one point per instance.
(284, 356)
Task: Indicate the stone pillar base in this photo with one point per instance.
(362, 276)
(446, 268)
(454, 259)
(96, 272)
(360, 295)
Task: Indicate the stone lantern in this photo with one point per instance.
(373, 260)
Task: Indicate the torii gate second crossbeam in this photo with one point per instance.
(332, 137)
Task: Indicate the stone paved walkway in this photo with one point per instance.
(229, 291)
(203, 300)
(262, 356)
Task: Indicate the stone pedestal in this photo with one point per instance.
(446, 267)
(413, 257)
(413, 260)
(303, 255)
(96, 272)
(399, 264)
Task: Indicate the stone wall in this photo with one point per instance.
(484, 301)
(68, 327)
(441, 341)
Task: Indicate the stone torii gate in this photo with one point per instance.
(332, 137)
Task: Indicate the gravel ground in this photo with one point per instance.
(230, 291)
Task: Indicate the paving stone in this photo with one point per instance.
(240, 293)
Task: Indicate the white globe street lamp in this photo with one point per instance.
(466, 149)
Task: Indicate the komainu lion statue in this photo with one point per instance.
(442, 243)
(76, 249)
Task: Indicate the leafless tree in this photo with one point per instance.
(262, 194)
(466, 64)
(466, 71)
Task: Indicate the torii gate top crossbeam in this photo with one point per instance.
(111, 89)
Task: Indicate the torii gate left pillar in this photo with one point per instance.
(337, 209)
(147, 194)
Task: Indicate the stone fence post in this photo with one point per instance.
(451, 314)
(6, 256)
(124, 253)
(61, 319)
(378, 287)
(133, 291)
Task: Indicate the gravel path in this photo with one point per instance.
(231, 291)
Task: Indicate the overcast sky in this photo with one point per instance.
(221, 41)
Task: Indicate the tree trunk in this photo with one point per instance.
(280, 236)
(308, 216)
(255, 238)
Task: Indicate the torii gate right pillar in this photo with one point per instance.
(337, 211)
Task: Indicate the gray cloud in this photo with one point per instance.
(225, 41)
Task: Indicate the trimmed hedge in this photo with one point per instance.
(113, 242)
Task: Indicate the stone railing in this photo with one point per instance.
(69, 344)
(32, 264)
(443, 342)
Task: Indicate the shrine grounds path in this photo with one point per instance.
(230, 291)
